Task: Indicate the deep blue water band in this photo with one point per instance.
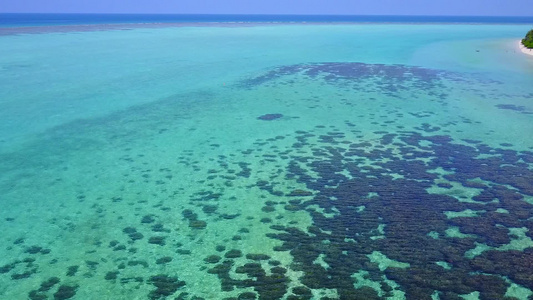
(18, 20)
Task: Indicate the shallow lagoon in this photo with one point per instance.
(136, 164)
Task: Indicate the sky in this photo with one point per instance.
(327, 7)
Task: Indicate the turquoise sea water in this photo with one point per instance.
(347, 161)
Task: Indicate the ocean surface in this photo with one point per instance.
(359, 159)
(25, 19)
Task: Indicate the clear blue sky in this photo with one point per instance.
(346, 7)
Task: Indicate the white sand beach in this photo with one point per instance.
(524, 49)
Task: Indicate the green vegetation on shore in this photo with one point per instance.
(528, 40)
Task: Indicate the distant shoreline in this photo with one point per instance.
(524, 49)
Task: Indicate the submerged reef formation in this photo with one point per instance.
(383, 202)
(375, 200)
(390, 78)
(385, 211)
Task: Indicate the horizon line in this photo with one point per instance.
(260, 14)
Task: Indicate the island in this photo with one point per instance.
(528, 40)
(526, 44)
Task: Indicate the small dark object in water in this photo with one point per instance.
(270, 117)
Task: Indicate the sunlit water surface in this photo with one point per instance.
(267, 162)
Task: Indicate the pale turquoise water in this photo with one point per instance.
(400, 166)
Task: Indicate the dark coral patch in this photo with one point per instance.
(299, 193)
(514, 264)
(269, 117)
(212, 259)
(247, 296)
(133, 233)
(233, 253)
(163, 260)
(111, 275)
(165, 286)
(148, 219)
(511, 107)
(48, 284)
(36, 295)
(34, 249)
(7, 268)
(197, 224)
(257, 256)
(65, 292)
(72, 270)
(157, 240)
